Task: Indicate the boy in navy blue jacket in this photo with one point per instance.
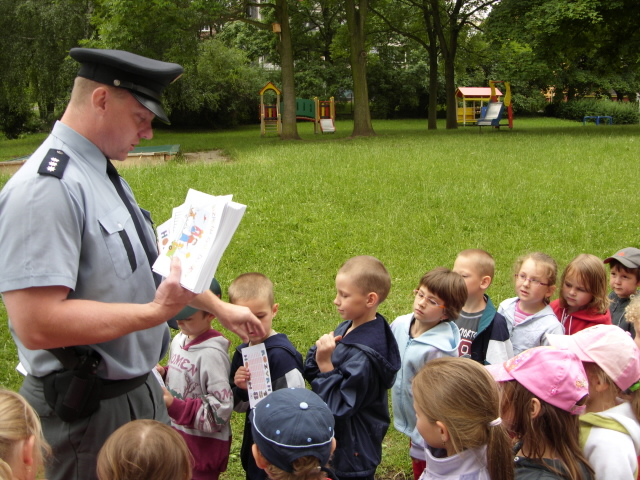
(353, 368)
(255, 291)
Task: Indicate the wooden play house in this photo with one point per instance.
(270, 118)
(321, 112)
(472, 100)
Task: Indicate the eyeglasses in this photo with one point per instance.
(430, 301)
(533, 281)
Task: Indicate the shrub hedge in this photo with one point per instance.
(623, 113)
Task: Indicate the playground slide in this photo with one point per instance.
(327, 125)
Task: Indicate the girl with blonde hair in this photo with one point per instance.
(583, 300)
(21, 441)
(458, 409)
(145, 449)
(529, 316)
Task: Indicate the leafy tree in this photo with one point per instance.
(278, 10)
(577, 46)
(451, 19)
(35, 40)
(219, 91)
(413, 20)
(356, 13)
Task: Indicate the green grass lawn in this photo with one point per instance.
(411, 197)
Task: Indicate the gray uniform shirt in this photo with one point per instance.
(72, 232)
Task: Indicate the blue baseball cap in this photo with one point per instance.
(291, 423)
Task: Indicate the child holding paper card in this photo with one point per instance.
(255, 291)
(198, 395)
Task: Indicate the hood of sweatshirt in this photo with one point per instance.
(445, 336)
(211, 338)
(376, 340)
(619, 418)
(590, 316)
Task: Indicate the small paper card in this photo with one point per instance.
(256, 361)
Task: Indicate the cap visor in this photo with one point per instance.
(499, 373)
(624, 261)
(559, 341)
(186, 312)
(568, 342)
(153, 106)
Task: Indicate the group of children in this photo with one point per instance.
(553, 383)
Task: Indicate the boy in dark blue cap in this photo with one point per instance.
(77, 273)
(293, 431)
(198, 395)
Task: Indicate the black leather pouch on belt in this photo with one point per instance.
(76, 393)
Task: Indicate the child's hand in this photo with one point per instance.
(242, 376)
(168, 398)
(324, 349)
(161, 370)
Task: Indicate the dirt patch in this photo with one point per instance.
(210, 156)
(158, 158)
(206, 157)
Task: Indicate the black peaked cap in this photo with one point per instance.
(144, 77)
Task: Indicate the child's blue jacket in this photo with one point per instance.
(365, 364)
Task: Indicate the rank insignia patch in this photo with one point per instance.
(54, 163)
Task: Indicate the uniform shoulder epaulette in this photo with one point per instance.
(54, 163)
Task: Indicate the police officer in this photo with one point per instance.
(75, 262)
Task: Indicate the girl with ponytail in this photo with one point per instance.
(458, 409)
(21, 441)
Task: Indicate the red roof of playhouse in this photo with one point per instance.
(476, 92)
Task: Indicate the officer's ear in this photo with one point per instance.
(99, 99)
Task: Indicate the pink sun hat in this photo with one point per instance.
(609, 347)
(554, 375)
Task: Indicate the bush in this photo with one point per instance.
(623, 113)
(220, 91)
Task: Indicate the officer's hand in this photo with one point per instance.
(239, 320)
(171, 297)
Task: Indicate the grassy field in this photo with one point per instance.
(411, 197)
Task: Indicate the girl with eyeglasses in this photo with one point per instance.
(423, 335)
(529, 316)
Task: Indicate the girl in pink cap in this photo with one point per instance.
(457, 409)
(543, 390)
(610, 430)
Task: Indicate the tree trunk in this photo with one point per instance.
(448, 49)
(285, 49)
(433, 66)
(450, 92)
(356, 17)
(433, 88)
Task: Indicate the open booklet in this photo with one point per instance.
(198, 233)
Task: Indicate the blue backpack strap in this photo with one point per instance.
(54, 163)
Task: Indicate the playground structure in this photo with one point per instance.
(321, 112)
(479, 114)
(270, 118)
